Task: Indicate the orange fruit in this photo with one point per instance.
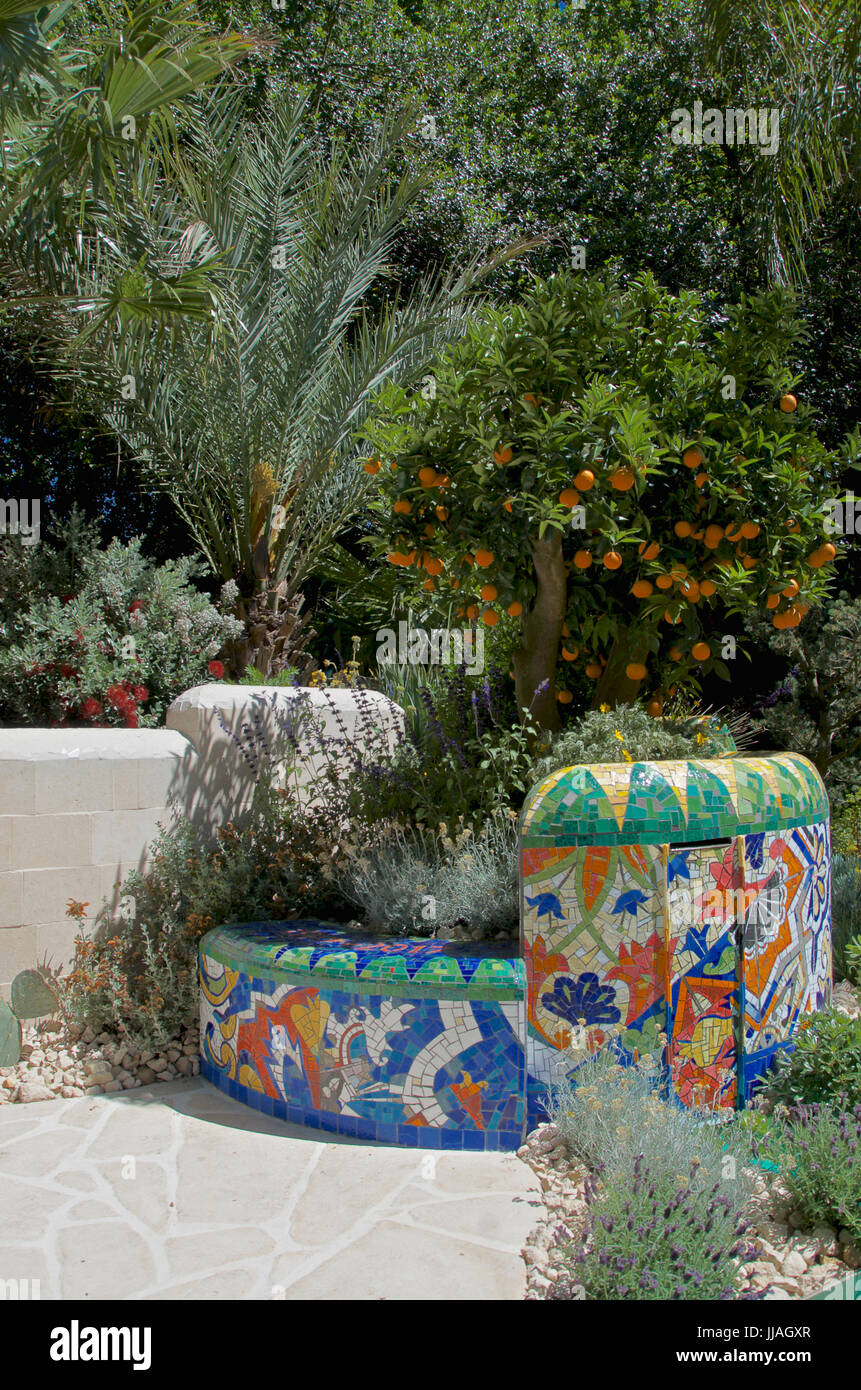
(828, 550)
(433, 565)
(678, 572)
(394, 557)
(503, 455)
(642, 588)
(693, 456)
(701, 651)
(402, 507)
(429, 585)
(570, 656)
(490, 617)
(733, 531)
(455, 583)
(635, 671)
(506, 506)
(484, 558)
(780, 621)
(430, 530)
(569, 497)
(468, 559)
(582, 560)
(701, 479)
(749, 562)
(516, 608)
(442, 513)
(427, 476)
(488, 592)
(593, 670)
(655, 707)
(788, 403)
(750, 530)
(565, 631)
(791, 589)
(713, 536)
(650, 550)
(682, 529)
(691, 590)
(564, 697)
(707, 587)
(373, 466)
(472, 612)
(664, 581)
(668, 618)
(622, 479)
(443, 480)
(585, 479)
(793, 526)
(674, 654)
(612, 560)
(773, 601)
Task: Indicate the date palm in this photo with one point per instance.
(252, 430)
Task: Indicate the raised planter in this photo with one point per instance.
(690, 899)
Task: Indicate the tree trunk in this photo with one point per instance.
(535, 660)
(275, 635)
(614, 687)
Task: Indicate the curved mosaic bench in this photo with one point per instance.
(410, 1042)
(689, 898)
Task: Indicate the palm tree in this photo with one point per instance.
(800, 56)
(253, 430)
(87, 127)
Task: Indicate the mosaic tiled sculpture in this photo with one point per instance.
(686, 898)
(689, 898)
(412, 1042)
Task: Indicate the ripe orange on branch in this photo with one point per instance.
(585, 479)
(484, 558)
(650, 550)
(693, 456)
(515, 609)
(683, 529)
(582, 560)
(373, 466)
(503, 455)
(569, 497)
(701, 651)
(612, 560)
(622, 479)
(488, 592)
(788, 403)
(635, 671)
(642, 588)
(427, 476)
(402, 507)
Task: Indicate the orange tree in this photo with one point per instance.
(617, 468)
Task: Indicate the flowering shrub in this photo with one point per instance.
(138, 977)
(649, 1239)
(630, 734)
(823, 1176)
(116, 649)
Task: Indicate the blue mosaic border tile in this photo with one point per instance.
(353, 1127)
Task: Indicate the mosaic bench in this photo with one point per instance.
(680, 905)
(404, 1041)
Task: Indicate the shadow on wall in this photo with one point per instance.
(240, 733)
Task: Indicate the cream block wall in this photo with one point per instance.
(79, 807)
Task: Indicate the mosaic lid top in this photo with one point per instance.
(324, 949)
(665, 802)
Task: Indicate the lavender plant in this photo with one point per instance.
(653, 1238)
(823, 1175)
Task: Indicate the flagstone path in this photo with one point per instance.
(178, 1192)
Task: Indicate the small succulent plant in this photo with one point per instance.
(32, 997)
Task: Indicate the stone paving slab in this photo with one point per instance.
(178, 1192)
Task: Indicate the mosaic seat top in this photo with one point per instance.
(325, 951)
(665, 802)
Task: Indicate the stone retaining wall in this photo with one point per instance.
(79, 807)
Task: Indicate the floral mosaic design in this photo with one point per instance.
(723, 947)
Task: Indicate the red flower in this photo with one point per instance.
(131, 719)
(89, 708)
(140, 693)
(136, 606)
(216, 669)
(67, 670)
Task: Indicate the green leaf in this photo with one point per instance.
(10, 1037)
(32, 996)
